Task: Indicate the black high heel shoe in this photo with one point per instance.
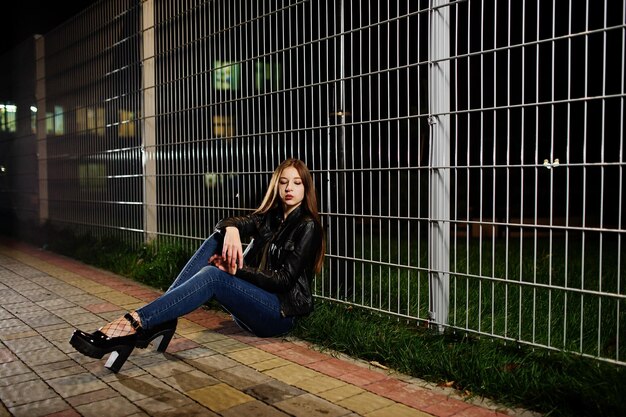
(164, 331)
(98, 344)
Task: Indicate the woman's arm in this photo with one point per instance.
(247, 225)
(232, 250)
(232, 228)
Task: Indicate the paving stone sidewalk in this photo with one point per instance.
(211, 368)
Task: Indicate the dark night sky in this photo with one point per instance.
(23, 18)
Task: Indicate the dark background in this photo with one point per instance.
(21, 19)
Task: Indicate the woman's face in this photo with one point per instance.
(290, 189)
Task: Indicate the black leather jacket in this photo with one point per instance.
(289, 263)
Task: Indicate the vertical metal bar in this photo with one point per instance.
(494, 213)
(325, 109)
(198, 230)
(148, 121)
(536, 175)
(440, 162)
(455, 170)
(242, 92)
(262, 124)
(389, 164)
(551, 213)
(316, 91)
(271, 55)
(168, 148)
(183, 138)
(219, 59)
(42, 143)
(360, 44)
(468, 213)
(602, 173)
(410, 167)
(584, 187)
(396, 73)
(481, 169)
(210, 110)
(370, 154)
(380, 179)
(231, 132)
(301, 82)
(567, 175)
(340, 116)
(399, 164)
(620, 182)
(522, 160)
(288, 91)
(351, 242)
(505, 330)
(252, 122)
(248, 92)
(225, 94)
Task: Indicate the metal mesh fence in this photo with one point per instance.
(537, 173)
(468, 155)
(92, 106)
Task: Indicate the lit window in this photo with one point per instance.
(89, 120)
(268, 76)
(59, 127)
(100, 121)
(49, 123)
(81, 120)
(33, 119)
(126, 128)
(8, 120)
(90, 116)
(222, 126)
(225, 75)
(92, 176)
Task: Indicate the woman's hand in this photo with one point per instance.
(221, 263)
(232, 252)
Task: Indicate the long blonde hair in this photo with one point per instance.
(309, 203)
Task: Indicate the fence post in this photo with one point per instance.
(42, 143)
(439, 121)
(342, 269)
(148, 122)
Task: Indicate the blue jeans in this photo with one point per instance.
(252, 308)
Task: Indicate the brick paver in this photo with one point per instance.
(211, 368)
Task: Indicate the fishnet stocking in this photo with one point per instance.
(120, 327)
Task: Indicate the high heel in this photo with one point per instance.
(117, 358)
(98, 344)
(164, 332)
